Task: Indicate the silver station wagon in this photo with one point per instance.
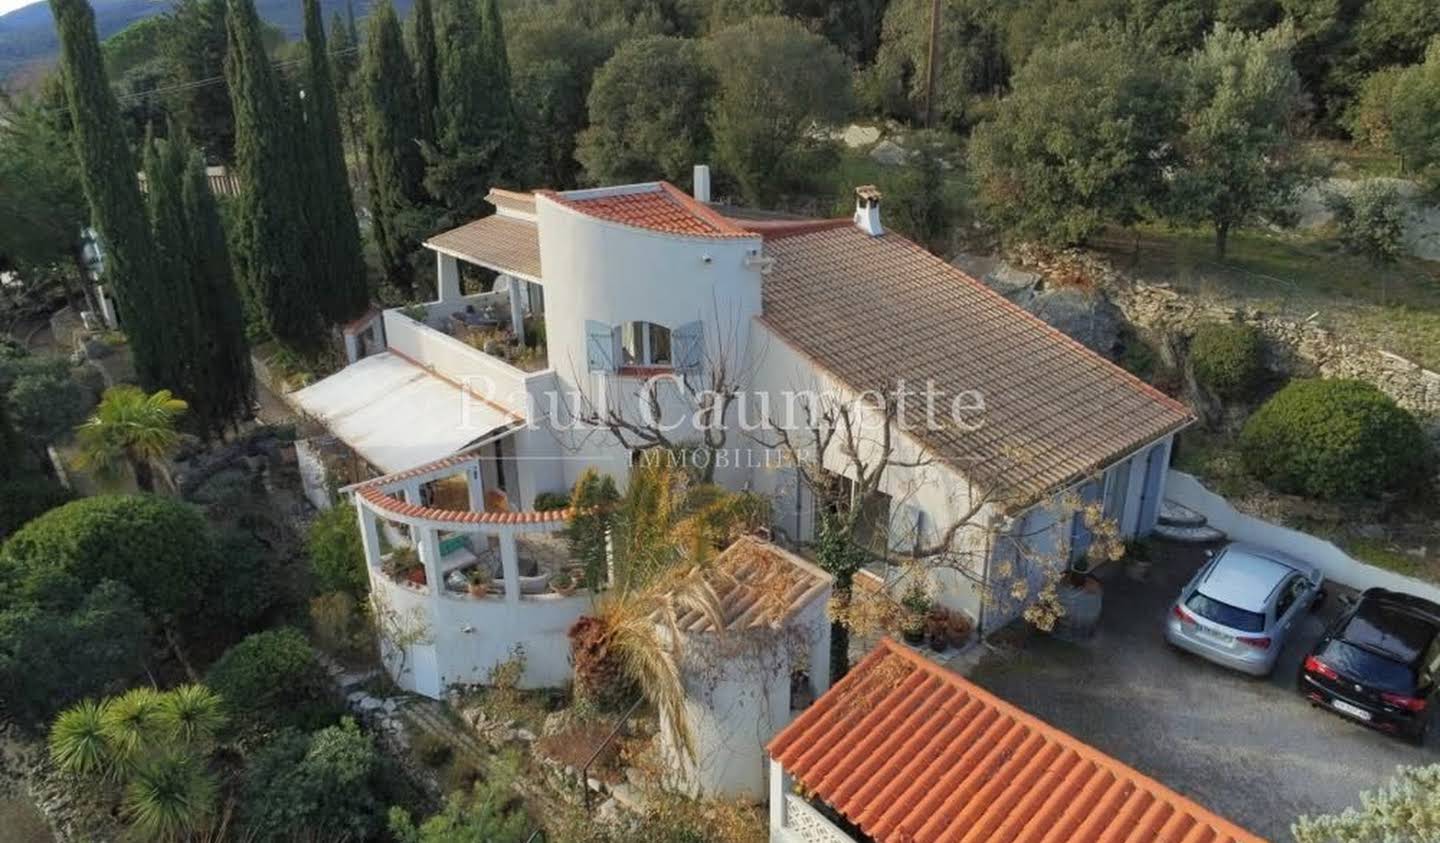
(1240, 608)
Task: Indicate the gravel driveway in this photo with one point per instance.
(1253, 750)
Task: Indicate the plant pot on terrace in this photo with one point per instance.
(479, 585)
(1082, 596)
(563, 583)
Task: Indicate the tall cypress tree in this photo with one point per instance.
(392, 131)
(333, 239)
(174, 293)
(478, 131)
(270, 221)
(427, 72)
(107, 173)
(225, 384)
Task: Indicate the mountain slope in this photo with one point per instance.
(27, 35)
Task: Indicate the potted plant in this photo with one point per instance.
(404, 564)
(563, 583)
(959, 628)
(479, 583)
(937, 630)
(917, 604)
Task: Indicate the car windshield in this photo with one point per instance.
(1369, 667)
(1224, 614)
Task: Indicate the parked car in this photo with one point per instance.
(1377, 662)
(1241, 606)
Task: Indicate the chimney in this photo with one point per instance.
(867, 210)
(702, 183)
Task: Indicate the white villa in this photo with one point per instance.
(468, 408)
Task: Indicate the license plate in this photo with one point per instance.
(1215, 637)
(1352, 710)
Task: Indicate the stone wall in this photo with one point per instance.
(1298, 347)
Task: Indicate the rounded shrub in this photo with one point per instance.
(1228, 359)
(1335, 440)
(337, 555)
(273, 680)
(163, 549)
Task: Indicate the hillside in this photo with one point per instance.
(27, 35)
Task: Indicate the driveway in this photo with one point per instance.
(1251, 749)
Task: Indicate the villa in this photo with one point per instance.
(574, 327)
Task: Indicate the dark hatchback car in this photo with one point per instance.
(1377, 663)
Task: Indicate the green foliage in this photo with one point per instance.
(45, 401)
(973, 63)
(161, 548)
(24, 498)
(1076, 144)
(777, 81)
(1335, 440)
(1371, 221)
(194, 50)
(432, 750)
(921, 202)
(549, 501)
(593, 500)
(270, 260)
(392, 125)
(487, 813)
(478, 134)
(1228, 358)
(337, 556)
(340, 624)
(42, 206)
(52, 655)
(130, 427)
(647, 112)
(178, 308)
(333, 256)
(1369, 117)
(107, 172)
(169, 797)
(1415, 115)
(271, 681)
(328, 783)
(427, 67)
(1239, 158)
(1405, 808)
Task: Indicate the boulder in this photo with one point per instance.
(1083, 313)
(889, 153)
(856, 135)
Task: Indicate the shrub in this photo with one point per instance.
(547, 501)
(1371, 221)
(163, 549)
(327, 785)
(337, 556)
(1228, 359)
(1335, 440)
(340, 624)
(272, 680)
(432, 750)
(25, 498)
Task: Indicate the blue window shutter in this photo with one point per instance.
(599, 347)
(688, 346)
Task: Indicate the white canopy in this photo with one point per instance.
(397, 415)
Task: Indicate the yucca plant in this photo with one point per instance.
(168, 796)
(130, 427)
(78, 742)
(132, 725)
(192, 714)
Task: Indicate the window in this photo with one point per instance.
(1224, 614)
(645, 344)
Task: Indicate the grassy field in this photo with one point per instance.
(1297, 275)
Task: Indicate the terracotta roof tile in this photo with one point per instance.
(502, 243)
(757, 585)
(877, 310)
(657, 206)
(912, 752)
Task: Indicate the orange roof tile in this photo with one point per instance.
(757, 585)
(909, 751)
(657, 206)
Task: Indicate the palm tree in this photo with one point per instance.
(191, 714)
(133, 428)
(169, 796)
(78, 743)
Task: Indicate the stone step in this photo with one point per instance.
(1174, 514)
(428, 716)
(1203, 534)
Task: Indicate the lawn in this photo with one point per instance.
(1300, 275)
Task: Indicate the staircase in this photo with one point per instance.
(1180, 523)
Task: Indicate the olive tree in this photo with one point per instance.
(1405, 808)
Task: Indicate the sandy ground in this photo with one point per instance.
(1251, 749)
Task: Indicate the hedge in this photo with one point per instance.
(1336, 440)
(1228, 359)
(273, 680)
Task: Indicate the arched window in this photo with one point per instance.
(645, 344)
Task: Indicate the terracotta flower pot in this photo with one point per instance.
(415, 576)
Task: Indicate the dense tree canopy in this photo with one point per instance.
(972, 62)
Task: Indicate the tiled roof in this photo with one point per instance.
(758, 585)
(511, 200)
(505, 244)
(873, 311)
(909, 751)
(397, 507)
(657, 206)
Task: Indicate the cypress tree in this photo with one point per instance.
(478, 130)
(333, 238)
(174, 294)
(427, 73)
(270, 221)
(107, 174)
(224, 385)
(392, 130)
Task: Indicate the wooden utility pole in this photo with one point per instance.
(934, 59)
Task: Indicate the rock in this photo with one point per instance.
(354, 698)
(525, 735)
(856, 135)
(975, 266)
(96, 349)
(608, 812)
(889, 153)
(594, 784)
(390, 706)
(368, 704)
(1085, 315)
(1374, 532)
(1015, 284)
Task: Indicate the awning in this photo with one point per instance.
(504, 244)
(397, 415)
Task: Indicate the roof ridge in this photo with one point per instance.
(700, 209)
